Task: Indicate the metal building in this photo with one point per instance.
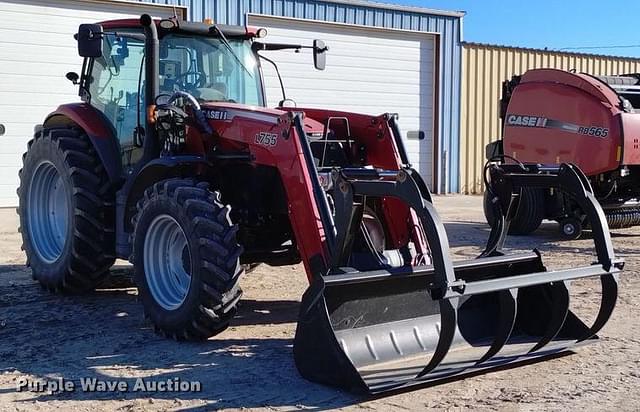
(382, 58)
(484, 69)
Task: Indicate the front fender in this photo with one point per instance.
(99, 129)
(155, 171)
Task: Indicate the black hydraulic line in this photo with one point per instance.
(275, 66)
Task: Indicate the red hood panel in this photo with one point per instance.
(226, 111)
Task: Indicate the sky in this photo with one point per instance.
(578, 25)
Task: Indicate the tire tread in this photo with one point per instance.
(220, 264)
(91, 252)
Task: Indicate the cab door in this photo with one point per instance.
(116, 83)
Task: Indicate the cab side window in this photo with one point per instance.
(116, 87)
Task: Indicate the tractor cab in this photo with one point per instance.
(191, 58)
(212, 63)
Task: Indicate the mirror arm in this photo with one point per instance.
(276, 46)
(283, 46)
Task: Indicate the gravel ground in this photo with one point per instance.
(103, 335)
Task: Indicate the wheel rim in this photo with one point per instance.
(167, 262)
(569, 229)
(47, 212)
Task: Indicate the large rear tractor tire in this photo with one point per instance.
(66, 211)
(529, 215)
(186, 259)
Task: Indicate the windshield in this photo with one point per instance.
(211, 71)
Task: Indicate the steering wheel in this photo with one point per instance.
(200, 80)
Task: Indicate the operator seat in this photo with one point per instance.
(216, 91)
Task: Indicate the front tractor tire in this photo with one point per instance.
(186, 259)
(66, 211)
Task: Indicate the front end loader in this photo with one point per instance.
(173, 161)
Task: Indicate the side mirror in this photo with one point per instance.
(72, 77)
(319, 54)
(89, 40)
(2, 129)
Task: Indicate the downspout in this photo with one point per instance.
(459, 97)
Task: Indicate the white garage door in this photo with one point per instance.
(369, 71)
(37, 49)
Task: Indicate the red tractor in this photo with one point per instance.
(173, 162)
(552, 116)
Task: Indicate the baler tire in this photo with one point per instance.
(527, 218)
(72, 251)
(209, 302)
(530, 212)
(570, 228)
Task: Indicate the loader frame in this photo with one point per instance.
(447, 282)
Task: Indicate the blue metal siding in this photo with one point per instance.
(449, 28)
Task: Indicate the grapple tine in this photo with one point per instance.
(449, 322)
(559, 311)
(609, 297)
(506, 321)
(508, 313)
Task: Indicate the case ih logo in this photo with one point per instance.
(526, 121)
(517, 120)
(216, 114)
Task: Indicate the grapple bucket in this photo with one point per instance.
(389, 328)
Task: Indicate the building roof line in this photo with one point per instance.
(555, 51)
(398, 7)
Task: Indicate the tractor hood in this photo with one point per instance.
(230, 112)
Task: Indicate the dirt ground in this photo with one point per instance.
(104, 336)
